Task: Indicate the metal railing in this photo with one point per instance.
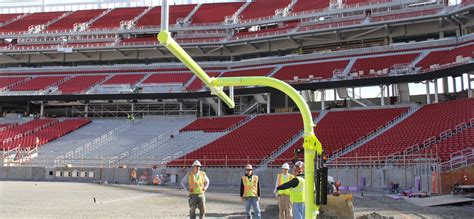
(91, 146)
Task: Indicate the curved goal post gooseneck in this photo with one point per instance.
(311, 145)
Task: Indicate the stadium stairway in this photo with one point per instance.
(375, 134)
(138, 133)
(48, 152)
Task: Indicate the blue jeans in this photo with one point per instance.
(252, 201)
(298, 210)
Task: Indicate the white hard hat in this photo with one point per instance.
(285, 166)
(197, 163)
(248, 167)
(299, 164)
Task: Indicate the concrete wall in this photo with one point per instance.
(463, 176)
(375, 178)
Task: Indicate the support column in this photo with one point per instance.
(404, 93)
(133, 109)
(454, 85)
(382, 100)
(462, 82)
(42, 110)
(86, 110)
(445, 86)
(268, 103)
(436, 90)
(219, 107)
(201, 113)
(428, 99)
(323, 97)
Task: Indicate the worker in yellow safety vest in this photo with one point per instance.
(284, 204)
(250, 192)
(197, 184)
(296, 188)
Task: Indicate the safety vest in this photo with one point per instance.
(250, 186)
(196, 182)
(297, 193)
(282, 179)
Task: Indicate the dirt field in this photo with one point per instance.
(76, 200)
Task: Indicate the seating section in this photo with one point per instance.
(425, 123)
(9, 137)
(263, 8)
(7, 82)
(130, 79)
(250, 143)
(336, 130)
(33, 19)
(456, 143)
(197, 84)
(80, 84)
(218, 10)
(249, 72)
(211, 124)
(7, 17)
(38, 83)
(153, 17)
(464, 51)
(168, 78)
(432, 58)
(322, 70)
(49, 133)
(382, 62)
(76, 17)
(309, 5)
(114, 17)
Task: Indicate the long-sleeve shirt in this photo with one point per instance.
(290, 184)
(184, 182)
(242, 186)
(276, 184)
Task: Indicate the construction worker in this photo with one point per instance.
(250, 192)
(198, 183)
(284, 204)
(296, 187)
(133, 176)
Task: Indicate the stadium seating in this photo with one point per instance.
(197, 84)
(336, 130)
(33, 19)
(322, 70)
(76, 17)
(38, 83)
(127, 79)
(249, 72)
(168, 78)
(250, 143)
(263, 8)
(80, 84)
(9, 137)
(309, 5)
(218, 10)
(7, 17)
(425, 123)
(451, 145)
(114, 17)
(153, 17)
(210, 124)
(11, 81)
(382, 62)
(432, 58)
(49, 133)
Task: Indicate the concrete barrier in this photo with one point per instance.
(375, 178)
